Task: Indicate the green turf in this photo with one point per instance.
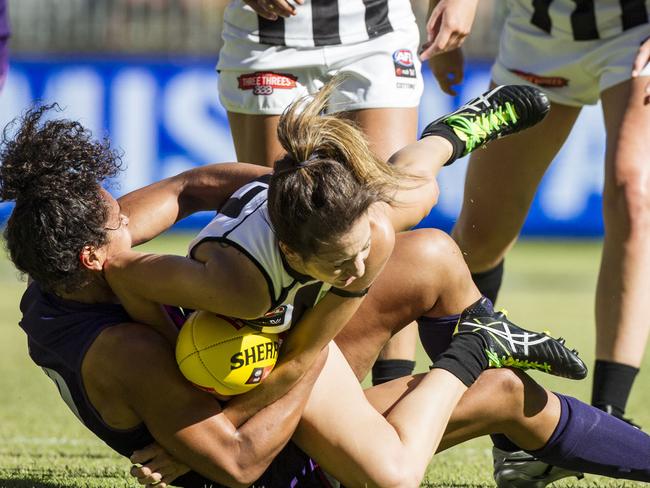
(548, 286)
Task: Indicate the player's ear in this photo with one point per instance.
(90, 258)
(288, 252)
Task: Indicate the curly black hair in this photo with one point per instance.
(54, 170)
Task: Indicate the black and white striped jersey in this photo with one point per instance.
(244, 224)
(319, 22)
(586, 20)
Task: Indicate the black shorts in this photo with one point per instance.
(292, 468)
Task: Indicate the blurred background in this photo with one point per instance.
(142, 72)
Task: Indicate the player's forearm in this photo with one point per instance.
(208, 187)
(156, 207)
(274, 388)
(423, 159)
(263, 435)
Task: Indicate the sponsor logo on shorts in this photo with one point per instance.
(543, 81)
(404, 65)
(408, 86)
(258, 375)
(265, 82)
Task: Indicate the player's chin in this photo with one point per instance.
(345, 282)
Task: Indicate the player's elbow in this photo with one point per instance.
(248, 466)
(239, 472)
(245, 477)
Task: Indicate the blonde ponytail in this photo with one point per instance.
(328, 178)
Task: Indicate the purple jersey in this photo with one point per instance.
(4, 37)
(59, 332)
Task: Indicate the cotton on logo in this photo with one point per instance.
(265, 82)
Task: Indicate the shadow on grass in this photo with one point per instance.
(456, 485)
(35, 482)
(31, 483)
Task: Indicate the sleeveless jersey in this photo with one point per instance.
(585, 20)
(319, 22)
(60, 332)
(244, 224)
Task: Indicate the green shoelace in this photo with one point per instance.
(495, 361)
(474, 130)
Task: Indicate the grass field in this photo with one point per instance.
(549, 285)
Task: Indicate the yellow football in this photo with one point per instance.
(224, 356)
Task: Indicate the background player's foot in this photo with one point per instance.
(521, 470)
(502, 111)
(508, 345)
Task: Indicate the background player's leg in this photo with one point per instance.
(623, 290)
(500, 185)
(388, 130)
(255, 138)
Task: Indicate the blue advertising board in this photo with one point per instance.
(165, 116)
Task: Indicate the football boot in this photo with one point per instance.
(502, 111)
(521, 470)
(508, 345)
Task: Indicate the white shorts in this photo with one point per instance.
(571, 72)
(383, 72)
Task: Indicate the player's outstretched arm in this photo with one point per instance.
(449, 24)
(156, 207)
(136, 366)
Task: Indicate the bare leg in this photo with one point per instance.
(500, 185)
(255, 138)
(352, 441)
(388, 130)
(425, 275)
(350, 438)
(623, 287)
(528, 416)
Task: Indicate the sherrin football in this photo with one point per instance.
(222, 355)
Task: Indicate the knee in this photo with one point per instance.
(437, 249)
(519, 396)
(507, 386)
(440, 256)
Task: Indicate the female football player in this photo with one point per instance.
(121, 381)
(301, 251)
(275, 52)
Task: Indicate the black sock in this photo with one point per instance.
(464, 358)
(502, 442)
(443, 130)
(489, 282)
(389, 369)
(612, 386)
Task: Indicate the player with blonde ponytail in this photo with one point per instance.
(299, 250)
(124, 384)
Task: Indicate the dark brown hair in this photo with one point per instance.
(53, 170)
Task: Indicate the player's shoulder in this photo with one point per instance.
(127, 347)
